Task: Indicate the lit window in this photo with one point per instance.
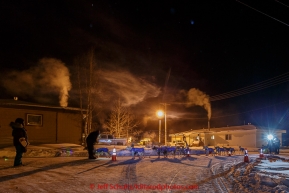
(228, 136)
(33, 119)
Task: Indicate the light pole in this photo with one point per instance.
(165, 114)
(165, 124)
(160, 115)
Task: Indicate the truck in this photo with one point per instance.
(144, 141)
(178, 143)
(109, 139)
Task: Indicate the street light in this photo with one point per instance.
(165, 114)
(270, 136)
(160, 115)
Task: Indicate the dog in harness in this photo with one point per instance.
(136, 152)
(166, 151)
(209, 151)
(220, 150)
(158, 150)
(241, 150)
(102, 152)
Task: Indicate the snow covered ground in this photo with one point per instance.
(71, 171)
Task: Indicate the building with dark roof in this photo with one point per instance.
(44, 124)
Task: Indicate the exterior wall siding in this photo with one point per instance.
(58, 126)
(261, 139)
(36, 134)
(44, 133)
(240, 138)
(69, 128)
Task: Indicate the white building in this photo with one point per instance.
(243, 135)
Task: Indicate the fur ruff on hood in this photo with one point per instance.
(16, 125)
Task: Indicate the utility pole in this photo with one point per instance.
(160, 127)
(165, 105)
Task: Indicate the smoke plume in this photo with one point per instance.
(130, 88)
(197, 97)
(49, 77)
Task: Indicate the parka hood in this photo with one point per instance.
(15, 125)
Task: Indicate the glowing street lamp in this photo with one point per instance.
(270, 137)
(160, 115)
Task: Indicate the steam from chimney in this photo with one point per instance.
(130, 88)
(55, 74)
(197, 97)
(50, 76)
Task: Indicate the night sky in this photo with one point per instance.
(153, 52)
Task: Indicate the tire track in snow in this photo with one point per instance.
(219, 171)
(129, 176)
(184, 174)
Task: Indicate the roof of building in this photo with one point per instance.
(10, 103)
(228, 128)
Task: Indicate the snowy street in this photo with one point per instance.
(78, 174)
(65, 168)
(74, 174)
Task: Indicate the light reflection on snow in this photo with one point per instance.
(276, 166)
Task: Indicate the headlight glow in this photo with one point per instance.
(270, 137)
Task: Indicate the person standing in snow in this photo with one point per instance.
(18, 132)
(184, 138)
(270, 146)
(276, 145)
(90, 140)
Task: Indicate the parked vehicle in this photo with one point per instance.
(178, 143)
(108, 139)
(144, 141)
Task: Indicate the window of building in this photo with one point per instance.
(228, 136)
(212, 137)
(34, 119)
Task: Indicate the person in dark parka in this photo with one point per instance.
(90, 140)
(18, 131)
(276, 145)
(270, 146)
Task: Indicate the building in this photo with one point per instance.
(44, 124)
(244, 136)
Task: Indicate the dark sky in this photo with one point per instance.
(213, 46)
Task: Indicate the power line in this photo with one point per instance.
(248, 89)
(253, 88)
(229, 115)
(263, 13)
(282, 3)
(251, 110)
